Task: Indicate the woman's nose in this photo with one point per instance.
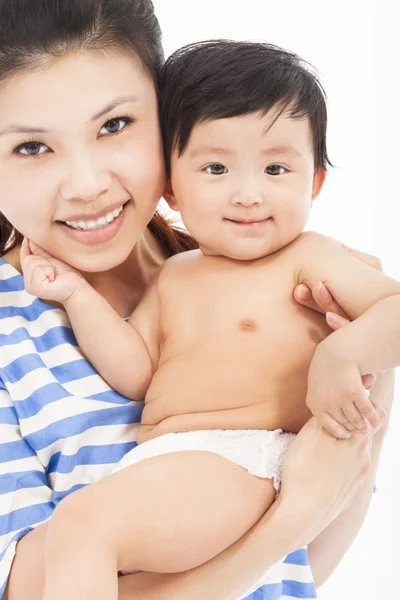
(85, 180)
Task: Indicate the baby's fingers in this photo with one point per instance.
(37, 250)
(366, 408)
(38, 276)
(352, 413)
(25, 250)
(332, 426)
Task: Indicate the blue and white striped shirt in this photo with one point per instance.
(62, 427)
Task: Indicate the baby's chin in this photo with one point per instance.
(238, 253)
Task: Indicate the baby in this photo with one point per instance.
(229, 365)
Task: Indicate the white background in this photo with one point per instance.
(353, 45)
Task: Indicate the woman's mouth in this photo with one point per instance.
(96, 231)
(96, 224)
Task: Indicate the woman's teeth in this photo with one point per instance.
(101, 222)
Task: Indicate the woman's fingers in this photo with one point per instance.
(325, 300)
(302, 295)
(335, 321)
(368, 381)
(319, 299)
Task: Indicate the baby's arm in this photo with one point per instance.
(370, 343)
(124, 353)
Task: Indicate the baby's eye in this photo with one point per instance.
(115, 125)
(31, 149)
(275, 170)
(216, 169)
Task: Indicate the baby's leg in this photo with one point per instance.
(165, 514)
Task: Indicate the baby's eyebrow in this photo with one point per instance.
(287, 149)
(210, 150)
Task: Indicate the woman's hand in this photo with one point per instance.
(47, 277)
(321, 300)
(322, 474)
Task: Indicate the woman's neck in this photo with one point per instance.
(124, 285)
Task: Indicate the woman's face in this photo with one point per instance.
(78, 141)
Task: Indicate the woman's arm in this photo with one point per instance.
(309, 500)
(329, 547)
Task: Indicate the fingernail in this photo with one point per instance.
(304, 292)
(334, 318)
(322, 290)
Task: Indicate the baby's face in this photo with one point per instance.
(244, 185)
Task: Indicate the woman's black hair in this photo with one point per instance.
(33, 33)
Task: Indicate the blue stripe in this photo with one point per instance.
(65, 428)
(52, 338)
(292, 589)
(28, 313)
(298, 589)
(12, 482)
(15, 451)
(300, 557)
(89, 455)
(31, 406)
(8, 416)
(21, 366)
(58, 496)
(271, 591)
(77, 369)
(24, 517)
(14, 284)
(111, 396)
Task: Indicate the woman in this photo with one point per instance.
(81, 173)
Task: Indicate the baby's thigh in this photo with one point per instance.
(173, 512)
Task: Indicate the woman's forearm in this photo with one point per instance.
(232, 573)
(329, 547)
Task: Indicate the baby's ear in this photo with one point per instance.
(319, 180)
(169, 196)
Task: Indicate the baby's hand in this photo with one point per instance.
(337, 397)
(47, 277)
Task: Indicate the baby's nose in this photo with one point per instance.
(247, 200)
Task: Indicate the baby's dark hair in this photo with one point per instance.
(219, 79)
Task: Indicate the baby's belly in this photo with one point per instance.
(188, 395)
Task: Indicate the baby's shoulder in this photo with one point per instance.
(181, 264)
(309, 243)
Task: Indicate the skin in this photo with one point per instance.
(241, 229)
(130, 264)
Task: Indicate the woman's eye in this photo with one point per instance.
(115, 125)
(275, 170)
(216, 169)
(31, 149)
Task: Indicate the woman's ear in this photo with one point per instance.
(169, 196)
(319, 180)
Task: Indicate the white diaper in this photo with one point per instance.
(260, 452)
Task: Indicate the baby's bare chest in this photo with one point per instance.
(240, 312)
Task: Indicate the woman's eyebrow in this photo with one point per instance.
(113, 104)
(26, 129)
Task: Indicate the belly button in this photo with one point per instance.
(247, 325)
